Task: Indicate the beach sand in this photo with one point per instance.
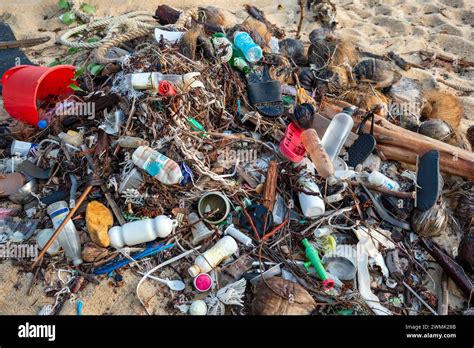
(378, 26)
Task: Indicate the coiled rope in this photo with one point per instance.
(120, 29)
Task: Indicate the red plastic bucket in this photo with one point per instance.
(291, 146)
(25, 85)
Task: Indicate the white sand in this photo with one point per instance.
(378, 26)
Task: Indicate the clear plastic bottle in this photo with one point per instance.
(312, 206)
(68, 238)
(337, 132)
(157, 165)
(321, 160)
(252, 52)
(141, 231)
(225, 247)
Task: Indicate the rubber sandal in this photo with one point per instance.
(265, 94)
(429, 181)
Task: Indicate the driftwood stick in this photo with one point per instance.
(270, 186)
(403, 145)
(23, 43)
(300, 23)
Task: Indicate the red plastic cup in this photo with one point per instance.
(25, 85)
(291, 146)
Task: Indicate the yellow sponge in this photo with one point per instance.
(98, 220)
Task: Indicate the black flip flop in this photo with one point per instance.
(429, 180)
(265, 94)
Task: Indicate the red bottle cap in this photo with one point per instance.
(203, 282)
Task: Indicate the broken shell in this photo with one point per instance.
(436, 129)
(293, 49)
(281, 297)
(432, 222)
(376, 71)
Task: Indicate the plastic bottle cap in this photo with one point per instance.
(349, 110)
(42, 124)
(202, 282)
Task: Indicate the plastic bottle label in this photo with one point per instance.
(58, 216)
(154, 164)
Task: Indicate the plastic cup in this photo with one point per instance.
(25, 85)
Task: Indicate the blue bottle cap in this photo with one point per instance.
(42, 124)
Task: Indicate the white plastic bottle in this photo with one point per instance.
(141, 231)
(157, 165)
(225, 247)
(337, 132)
(68, 238)
(378, 179)
(239, 236)
(312, 206)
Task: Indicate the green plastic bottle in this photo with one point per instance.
(237, 61)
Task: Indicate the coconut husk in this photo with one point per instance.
(443, 106)
(283, 298)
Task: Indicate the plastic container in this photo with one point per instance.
(157, 165)
(239, 236)
(319, 157)
(252, 52)
(68, 238)
(312, 206)
(212, 201)
(225, 247)
(199, 230)
(378, 179)
(291, 146)
(151, 80)
(26, 85)
(141, 231)
(22, 148)
(337, 132)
